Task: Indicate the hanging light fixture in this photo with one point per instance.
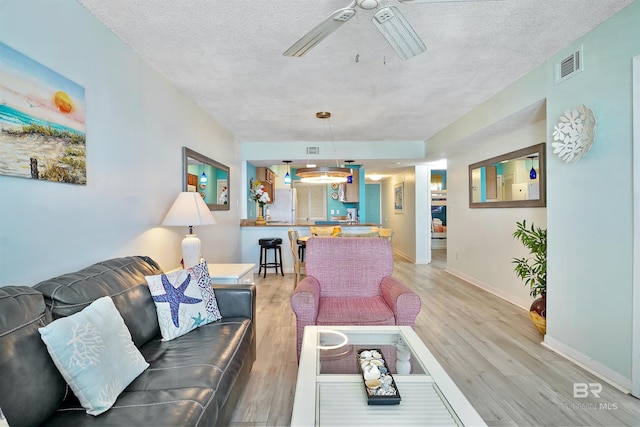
(287, 177)
(324, 174)
(203, 177)
(532, 173)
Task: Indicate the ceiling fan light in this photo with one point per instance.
(320, 32)
(323, 175)
(395, 28)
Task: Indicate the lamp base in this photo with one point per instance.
(191, 250)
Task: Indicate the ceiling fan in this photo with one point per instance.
(388, 20)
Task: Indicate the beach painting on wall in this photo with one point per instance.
(42, 121)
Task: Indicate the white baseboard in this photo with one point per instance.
(596, 368)
(403, 255)
(497, 292)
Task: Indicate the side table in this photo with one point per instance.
(231, 274)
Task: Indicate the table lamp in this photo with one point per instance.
(189, 210)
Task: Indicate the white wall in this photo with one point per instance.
(136, 123)
(480, 245)
(589, 204)
(403, 224)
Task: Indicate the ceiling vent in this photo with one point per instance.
(313, 151)
(569, 66)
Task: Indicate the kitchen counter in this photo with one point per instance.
(251, 233)
(308, 224)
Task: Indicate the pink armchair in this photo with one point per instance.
(349, 282)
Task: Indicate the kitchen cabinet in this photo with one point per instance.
(192, 182)
(268, 178)
(350, 192)
(265, 175)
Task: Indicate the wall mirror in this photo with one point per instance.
(207, 177)
(513, 180)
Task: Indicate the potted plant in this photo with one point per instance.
(533, 270)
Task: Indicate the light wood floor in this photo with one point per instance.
(488, 346)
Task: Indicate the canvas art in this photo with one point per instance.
(42, 121)
(398, 198)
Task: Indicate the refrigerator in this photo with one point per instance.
(283, 209)
(525, 191)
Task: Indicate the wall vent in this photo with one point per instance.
(315, 151)
(569, 66)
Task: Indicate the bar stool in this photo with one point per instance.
(266, 244)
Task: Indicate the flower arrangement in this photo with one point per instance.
(258, 194)
(224, 195)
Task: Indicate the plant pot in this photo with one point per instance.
(538, 314)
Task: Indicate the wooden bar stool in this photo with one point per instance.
(274, 244)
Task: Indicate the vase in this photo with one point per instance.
(260, 219)
(538, 313)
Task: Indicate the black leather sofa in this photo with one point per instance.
(193, 380)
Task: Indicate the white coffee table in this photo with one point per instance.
(330, 391)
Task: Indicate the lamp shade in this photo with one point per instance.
(189, 210)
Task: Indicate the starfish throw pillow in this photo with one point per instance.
(179, 302)
(201, 275)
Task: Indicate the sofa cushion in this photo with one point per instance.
(193, 406)
(209, 356)
(31, 388)
(179, 302)
(120, 278)
(95, 354)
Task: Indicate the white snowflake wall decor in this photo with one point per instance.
(574, 134)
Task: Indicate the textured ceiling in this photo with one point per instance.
(227, 56)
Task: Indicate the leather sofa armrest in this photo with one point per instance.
(236, 300)
(404, 303)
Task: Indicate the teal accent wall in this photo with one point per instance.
(372, 204)
(251, 205)
(590, 252)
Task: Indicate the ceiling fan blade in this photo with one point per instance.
(399, 33)
(321, 31)
(441, 1)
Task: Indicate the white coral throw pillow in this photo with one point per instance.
(95, 354)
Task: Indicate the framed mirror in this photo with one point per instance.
(513, 180)
(207, 177)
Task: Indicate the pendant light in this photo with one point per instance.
(203, 177)
(326, 174)
(350, 177)
(532, 173)
(287, 177)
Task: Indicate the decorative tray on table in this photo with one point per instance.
(379, 385)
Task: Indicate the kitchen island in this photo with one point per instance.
(251, 233)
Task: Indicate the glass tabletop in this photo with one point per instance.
(338, 351)
(333, 389)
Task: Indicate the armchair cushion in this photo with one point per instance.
(354, 311)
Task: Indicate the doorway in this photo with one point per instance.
(635, 346)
